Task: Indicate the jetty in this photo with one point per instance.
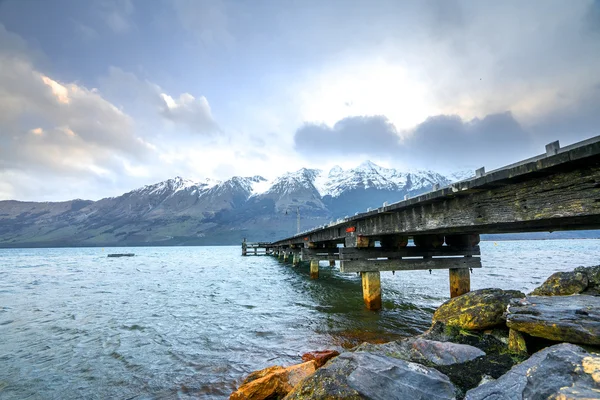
(556, 190)
(256, 249)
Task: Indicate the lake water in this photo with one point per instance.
(190, 322)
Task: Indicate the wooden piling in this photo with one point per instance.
(296, 259)
(460, 281)
(314, 269)
(371, 284)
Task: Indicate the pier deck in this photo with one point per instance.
(557, 190)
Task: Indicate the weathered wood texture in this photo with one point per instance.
(371, 285)
(559, 192)
(409, 264)
(349, 253)
(314, 269)
(460, 281)
(319, 254)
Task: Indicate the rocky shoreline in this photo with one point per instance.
(486, 344)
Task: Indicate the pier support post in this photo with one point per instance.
(280, 254)
(371, 285)
(296, 259)
(314, 269)
(460, 281)
(244, 248)
(332, 262)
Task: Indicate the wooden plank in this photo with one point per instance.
(319, 254)
(566, 200)
(349, 253)
(409, 265)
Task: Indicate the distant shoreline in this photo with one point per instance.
(91, 246)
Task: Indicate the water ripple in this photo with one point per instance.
(180, 323)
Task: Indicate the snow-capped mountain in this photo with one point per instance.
(181, 211)
(369, 175)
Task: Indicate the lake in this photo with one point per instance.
(191, 322)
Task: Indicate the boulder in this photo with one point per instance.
(573, 319)
(425, 351)
(359, 375)
(273, 382)
(562, 284)
(563, 371)
(320, 357)
(476, 310)
(593, 275)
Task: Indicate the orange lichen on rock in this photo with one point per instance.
(273, 382)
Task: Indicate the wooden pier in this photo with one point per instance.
(557, 190)
(256, 249)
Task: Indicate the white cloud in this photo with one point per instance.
(55, 129)
(369, 87)
(193, 114)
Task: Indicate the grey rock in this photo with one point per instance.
(423, 350)
(365, 375)
(573, 319)
(561, 370)
(562, 284)
(593, 276)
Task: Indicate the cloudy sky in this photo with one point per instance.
(99, 97)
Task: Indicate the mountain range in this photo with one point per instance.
(182, 212)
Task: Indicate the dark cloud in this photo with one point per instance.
(440, 142)
(352, 135)
(447, 141)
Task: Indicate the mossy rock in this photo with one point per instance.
(593, 275)
(563, 284)
(476, 310)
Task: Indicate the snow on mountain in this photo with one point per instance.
(369, 175)
(175, 185)
(290, 182)
(461, 175)
(309, 183)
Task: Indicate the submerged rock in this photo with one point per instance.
(423, 350)
(359, 375)
(476, 310)
(563, 371)
(574, 319)
(562, 284)
(273, 382)
(320, 357)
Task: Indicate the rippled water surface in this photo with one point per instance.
(190, 322)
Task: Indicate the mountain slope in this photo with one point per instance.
(179, 211)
